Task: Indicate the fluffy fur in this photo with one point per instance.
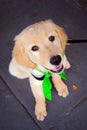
(25, 59)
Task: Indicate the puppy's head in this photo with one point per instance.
(42, 44)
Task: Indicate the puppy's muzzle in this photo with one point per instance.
(55, 60)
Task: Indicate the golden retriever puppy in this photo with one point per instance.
(42, 46)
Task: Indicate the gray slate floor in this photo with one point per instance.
(16, 99)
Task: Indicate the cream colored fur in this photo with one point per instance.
(24, 60)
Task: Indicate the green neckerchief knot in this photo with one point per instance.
(46, 84)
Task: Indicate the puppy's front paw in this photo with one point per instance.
(40, 111)
(63, 90)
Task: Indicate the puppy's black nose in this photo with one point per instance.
(55, 60)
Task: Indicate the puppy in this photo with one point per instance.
(41, 46)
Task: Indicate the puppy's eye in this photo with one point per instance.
(35, 48)
(51, 38)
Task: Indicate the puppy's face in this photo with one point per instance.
(41, 44)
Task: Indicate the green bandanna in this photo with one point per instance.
(47, 85)
(63, 75)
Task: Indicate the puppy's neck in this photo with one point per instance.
(37, 73)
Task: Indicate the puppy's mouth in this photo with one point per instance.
(58, 69)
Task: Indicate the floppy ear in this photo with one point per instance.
(62, 36)
(21, 56)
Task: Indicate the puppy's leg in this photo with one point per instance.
(40, 106)
(16, 71)
(60, 86)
